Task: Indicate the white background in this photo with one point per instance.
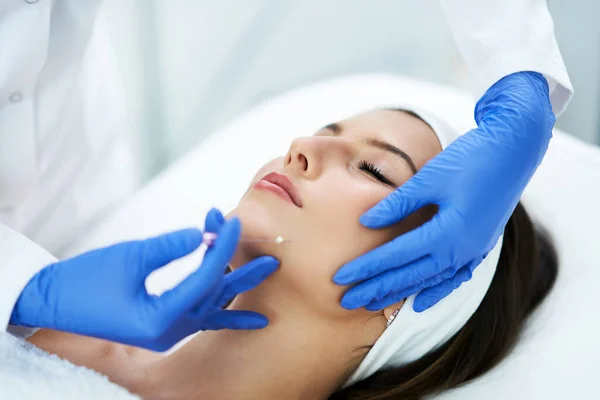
(188, 66)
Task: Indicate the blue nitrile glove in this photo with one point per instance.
(102, 293)
(476, 182)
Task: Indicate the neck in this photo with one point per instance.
(275, 362)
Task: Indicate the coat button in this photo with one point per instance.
(16, 97)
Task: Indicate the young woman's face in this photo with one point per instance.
(338, 173)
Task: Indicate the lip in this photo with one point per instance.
(280, 185)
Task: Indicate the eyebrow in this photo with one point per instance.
(380, 144)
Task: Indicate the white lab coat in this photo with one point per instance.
(65, 154)
(499, 37)
(496, 38)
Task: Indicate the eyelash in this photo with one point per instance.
(374, 171)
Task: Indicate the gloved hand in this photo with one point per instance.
(476, 182)
(102, 293)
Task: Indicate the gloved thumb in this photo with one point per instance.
(399, 204)
(214, 220)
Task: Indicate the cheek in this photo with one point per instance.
(338, 207)
(333, 236)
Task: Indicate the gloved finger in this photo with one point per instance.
(214, 220)
(475, 262)
(402, 250)
(200, 283)
(399, 204)
(395, 296)
(247, 278)
(382, 285)
(432, 295)
(161, 250)
(235, 320)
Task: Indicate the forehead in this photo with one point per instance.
(401, 129)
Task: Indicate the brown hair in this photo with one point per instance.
(526, 272)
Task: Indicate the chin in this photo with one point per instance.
(257, 222)
(261, 215)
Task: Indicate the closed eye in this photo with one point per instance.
(374, 172)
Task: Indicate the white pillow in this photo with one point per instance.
(559, 352)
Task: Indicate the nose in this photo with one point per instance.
(309, 156)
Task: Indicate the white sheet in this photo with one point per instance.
(558, 355)
(28, 373)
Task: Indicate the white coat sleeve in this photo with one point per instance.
(500, 37)
(20, 260)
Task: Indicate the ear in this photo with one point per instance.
(389, 310)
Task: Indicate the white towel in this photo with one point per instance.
(26, 372)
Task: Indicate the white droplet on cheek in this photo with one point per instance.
(278, 240)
